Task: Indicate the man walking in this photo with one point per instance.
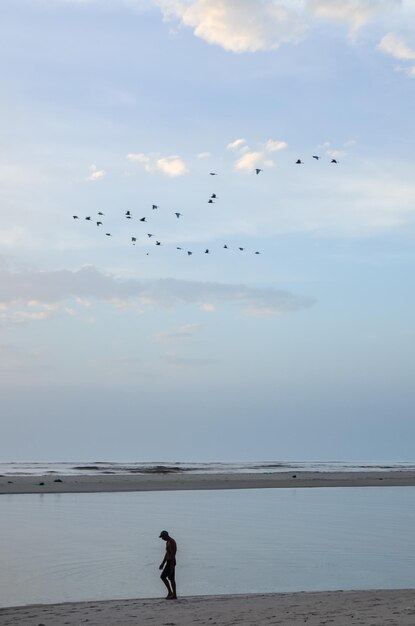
(168, 565)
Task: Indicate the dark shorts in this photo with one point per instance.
(168, 571)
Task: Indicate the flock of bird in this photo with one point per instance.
(129, 216)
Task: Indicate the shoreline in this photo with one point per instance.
(338, 608)
(100, 483)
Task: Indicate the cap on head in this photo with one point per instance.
(163, 533)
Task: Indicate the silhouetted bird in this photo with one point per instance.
(189, 253)
(88, 218)
(149, 234)
(225, 246)
(242, 249)
(108, 234)
(178, 215)
(257, 253)
(316, 157)
(333, 161)
(143, 219)
(75, 217)
(158, 243)
(213, 173)
(100, 213)
(210, 201)
(154, 206)
(179, 248)
(128, 213)
(257, 170)
(213, 195)
(134, 239)
(99, 223)
(299, 162)
(207, 251)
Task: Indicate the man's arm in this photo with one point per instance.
(164, 561)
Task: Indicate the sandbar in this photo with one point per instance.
(186, 481)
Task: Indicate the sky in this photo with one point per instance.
(114, 349)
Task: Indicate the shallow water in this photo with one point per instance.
(62, 547)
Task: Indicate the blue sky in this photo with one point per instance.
(110, 350)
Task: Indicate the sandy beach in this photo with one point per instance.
(336, 608)
(165, 482)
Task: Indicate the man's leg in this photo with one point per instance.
(169, 589)
(173, 588)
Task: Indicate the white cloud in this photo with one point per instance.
(355, 13)
(238, 25)
(33, 295)
(275, 146)
(251, 159)
(204, 155)
(138, 157)
(237, 144)
(394, 45)
(170, 165)
(95, 174)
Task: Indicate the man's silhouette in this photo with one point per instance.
(168, 565)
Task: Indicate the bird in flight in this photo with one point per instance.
(257, 253)
(225, 246)
(299, 162)
(316, 157)
(189, 253)
(333, 161)
(75, 217)
(100, 213)
(212, 173)
(99, 223)
(210, 201)
(149, 234)
(241, 249)
(108, 234)
(133, 239)
(178, 215)
(214, 196)
(158, 243)
(207, 251)
(142, 219)
(179, 248)
(154, 206)
(257, 170)
(88, 218)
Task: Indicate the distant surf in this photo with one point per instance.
(260, 467)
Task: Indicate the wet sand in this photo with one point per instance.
(166, 482)
(333, 608)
